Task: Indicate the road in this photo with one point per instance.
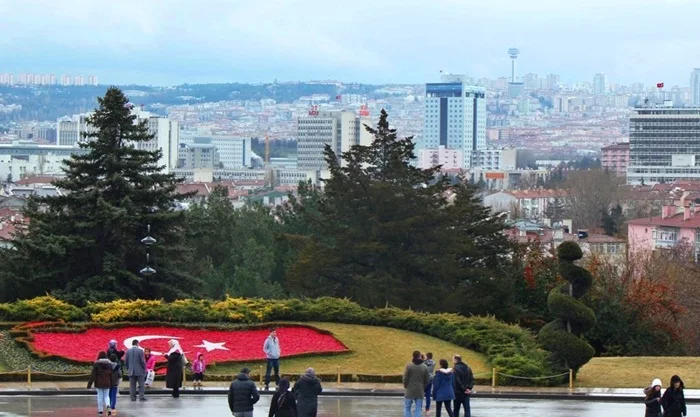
(216, 406)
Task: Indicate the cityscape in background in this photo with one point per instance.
(508, 134)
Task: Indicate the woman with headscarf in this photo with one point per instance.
(112, 350)
(283, 403)
(306, 391)
(173, 376)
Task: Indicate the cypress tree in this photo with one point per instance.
(85, 244)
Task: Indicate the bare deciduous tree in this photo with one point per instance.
(588, 194)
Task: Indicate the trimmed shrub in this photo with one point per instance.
(563, 336)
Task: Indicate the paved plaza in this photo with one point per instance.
(216, 406)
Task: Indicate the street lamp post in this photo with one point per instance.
(148, 241)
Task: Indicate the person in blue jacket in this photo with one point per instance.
(443, 388)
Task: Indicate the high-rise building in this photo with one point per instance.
(66, 80)
(552, 81)
(531, 81)
(70, 130)
(695, 87)
(79, 80)
(599, 83)
(515, 89)
(234, 152)
(92, 80)
(455, 117)
(198, 156)
(339, 129)
(664, 144)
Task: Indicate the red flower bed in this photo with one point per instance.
(216, 345)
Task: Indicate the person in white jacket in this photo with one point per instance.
(272, 352)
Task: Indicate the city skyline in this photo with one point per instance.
(175, 42)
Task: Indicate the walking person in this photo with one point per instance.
(101, 376)
(653, 399)
(430, 364)
(464, 384)
(306, 391)
(176, 366)
(272, 350)
(136, 370)
(116, 379)
(150, 367)
(415, 378)
(242, 395)
(673, 399)
(283, 403)
(443, 388)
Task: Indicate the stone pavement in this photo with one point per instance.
(354, 389)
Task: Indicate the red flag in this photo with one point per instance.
(337, 98)
(660, 85)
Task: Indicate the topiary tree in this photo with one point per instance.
(563, 336)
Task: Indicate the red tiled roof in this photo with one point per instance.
(673, 221)
(537, 193)
(45, 179)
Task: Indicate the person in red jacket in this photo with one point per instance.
(101, 376)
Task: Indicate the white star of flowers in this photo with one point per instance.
(209, 346)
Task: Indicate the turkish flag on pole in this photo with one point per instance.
(660, 85)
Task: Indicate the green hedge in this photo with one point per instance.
(513, 350)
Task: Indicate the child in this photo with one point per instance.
(116, 379)
(198, 368)
(101, 376)
(150, 367)
(653, 399)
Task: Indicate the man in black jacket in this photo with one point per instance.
(242, 395)
(464, 384)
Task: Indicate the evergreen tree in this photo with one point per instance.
(393, 233)
(611, 221)
(555, 210)
(85, 244)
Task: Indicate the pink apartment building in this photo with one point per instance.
(678, 223)
(615, 158)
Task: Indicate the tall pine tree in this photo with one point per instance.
(85, 244)
(392, 232)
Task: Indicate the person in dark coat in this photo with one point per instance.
(673, 399)
(443, 388)
(306, 391)
(173, 376)
(112, 350)
(283, 403)
(242, 395)
(464, 384)
(653, 399)
(101, 376)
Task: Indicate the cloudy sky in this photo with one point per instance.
(165, 42)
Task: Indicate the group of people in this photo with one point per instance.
(672, 401)
(446, 386)
(139, 364)
(301, 401)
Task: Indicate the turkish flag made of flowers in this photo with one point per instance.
(216, 345)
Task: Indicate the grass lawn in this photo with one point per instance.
(375, 351)
(638, 372)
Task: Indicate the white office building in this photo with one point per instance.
(664, 145)
(695, 87)
(234, 152)
(339, 129)
(70, 130)
(24, 159)
(455, 117)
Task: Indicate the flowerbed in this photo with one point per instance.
(217, 345)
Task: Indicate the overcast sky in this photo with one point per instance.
(165, 42)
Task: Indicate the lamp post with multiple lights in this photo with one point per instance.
(148, 241)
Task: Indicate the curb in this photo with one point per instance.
(353, 393)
